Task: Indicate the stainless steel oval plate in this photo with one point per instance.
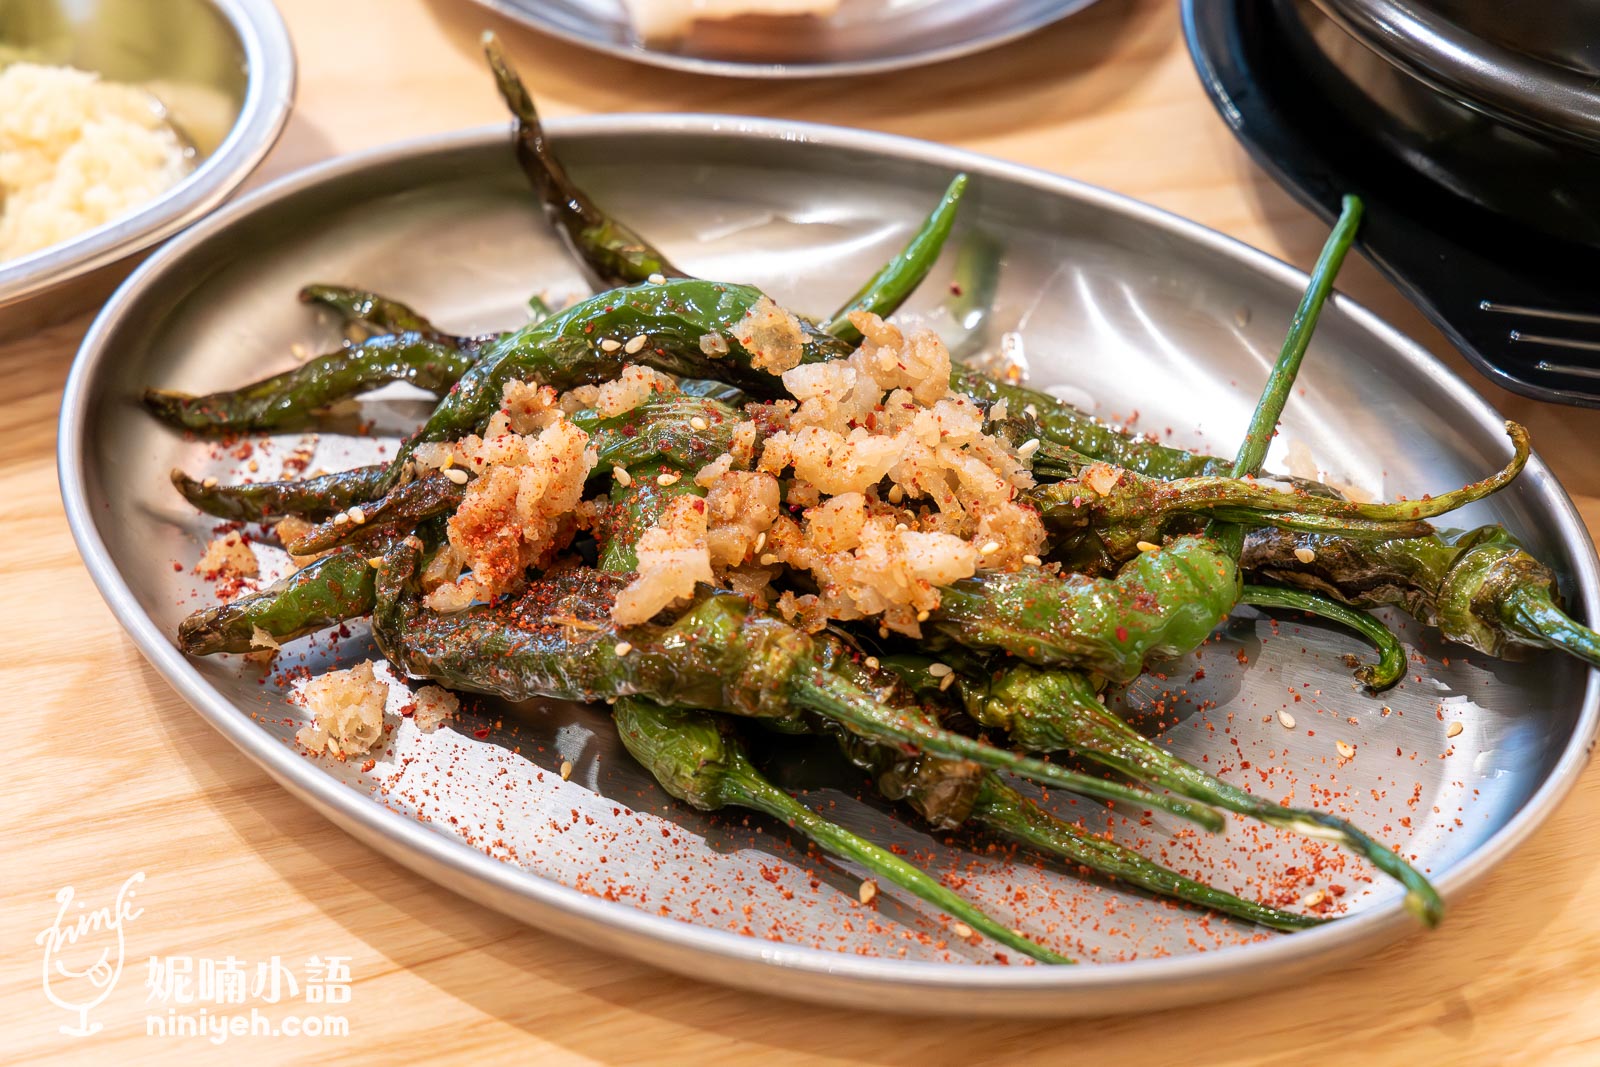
(1131, 310)
(862, 37)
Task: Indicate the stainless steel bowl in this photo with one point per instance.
(237, 51)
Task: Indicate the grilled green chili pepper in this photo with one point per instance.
(897, 279)
(613, 254)
(1482, 589)
(372, 311)
(309, 498)
(294, 395)
(328, 591)
(1120, 509)
(697, 761)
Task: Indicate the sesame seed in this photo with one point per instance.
(209, 483)
(657, 279)
(1313, 898)
(939, 670)
(664, 480)
(1148, 546)
(566, 769)
(1346, 749)
(922, 616)
(872, 663)
(768, 559)
(1031, 560)
(896, 494)
(340, 519)
(697, 423)
(1287, 720)
(962, 930)
(1028, 448)
(455, 475)
(1305, 555)
(1031, 411)
(608, 345)
(869, 889)
(357, 516)
(623, 478)
(761, 540)
(946, 682)
(901, 527)
(635, 343)
(623, 648)
(990, 548)
(1453, 729)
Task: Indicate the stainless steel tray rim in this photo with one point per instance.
(733, 68)
(285, 765)
(269, 94)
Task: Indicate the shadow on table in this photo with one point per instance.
(564, 993)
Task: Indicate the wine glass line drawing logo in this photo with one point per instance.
(83, 952)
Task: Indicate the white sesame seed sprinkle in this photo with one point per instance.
(1313, 898)
(1287, 720)
(623, 648)
(622, 476)
(340, 519)
(635, 343)
(962, 930)
(946, 682)
(761, 540)
(872, 663)
(665, 480)
(209, 483)
(768, 559)
(357, 516)
(1031, 560)
(609, 345)
(1028, 448)
(939, 670)
(1453, 730)
(566, 769)
(1148, 546)
(457, 476)
(1346, 749)
(697, 423)
(869, 889)
(990, 548)
(1305, 555)
(657, 278)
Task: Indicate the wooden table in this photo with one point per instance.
(111, 773)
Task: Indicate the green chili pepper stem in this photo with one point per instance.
(610, 251)
(1263, 424)
(1275, 395)
(1532, 612)
(886, 290)
(756, 792)
(1391, 665)
(1088, 729)
(1003, 809)
(822, 693)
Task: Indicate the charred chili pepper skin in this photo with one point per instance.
(697, 760)
(310, 498)
(399, 512)
(370, 310)
(885, 291)
(1481, 589)
(337, 587)
(295, 395)
(611, 252)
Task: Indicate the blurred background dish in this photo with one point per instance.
(1473, 133)
(787, 38)
(218, 79)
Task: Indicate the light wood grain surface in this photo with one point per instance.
(110, 772)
